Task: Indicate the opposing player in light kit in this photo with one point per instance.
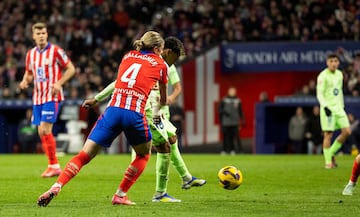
(329, 92)
(164, 133)
(44, 64)
(138, 72)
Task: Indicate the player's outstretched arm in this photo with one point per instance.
(89, 103)
(100, 96)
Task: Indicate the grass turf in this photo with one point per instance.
(273, 185)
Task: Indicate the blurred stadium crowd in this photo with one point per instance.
(96, 33)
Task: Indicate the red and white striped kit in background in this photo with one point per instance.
(46, 66)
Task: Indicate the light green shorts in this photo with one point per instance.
(337, 120)
(161, 136)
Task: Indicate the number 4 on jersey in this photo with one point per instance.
(130, 74)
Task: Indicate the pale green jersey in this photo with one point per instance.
(173, 78)
(329, 90)
(173, 75)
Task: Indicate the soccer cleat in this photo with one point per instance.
(223, 153)
(349, 188)
(330, 166)
(51, 172)
(46, 197)
(165, 198)
(193, 182)
(333, 161)
(117, 200)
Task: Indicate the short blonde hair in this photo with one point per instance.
(38, 25)
(149, 41)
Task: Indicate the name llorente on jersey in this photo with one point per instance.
(130, 92)
(145, 57)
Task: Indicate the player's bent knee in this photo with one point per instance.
(172, 139)
(146, 157)
(91, 148)
(163, 148)
(142, 149)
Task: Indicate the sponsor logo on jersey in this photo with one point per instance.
(40, 75)
(47, 113)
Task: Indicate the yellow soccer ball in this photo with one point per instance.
(230, 177)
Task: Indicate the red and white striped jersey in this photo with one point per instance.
(46, 66)
(138, 73)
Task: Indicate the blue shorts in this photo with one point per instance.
(47, 112)
(115, 120)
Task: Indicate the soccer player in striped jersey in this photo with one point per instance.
(329, 92)
(164, 133)
(138, 72)
(45, 64)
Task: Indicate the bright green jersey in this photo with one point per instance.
(329, 90)
(173, 76)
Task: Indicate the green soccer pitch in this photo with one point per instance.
(273, 185)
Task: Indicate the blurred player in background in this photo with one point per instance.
(329, 92)
(138, 72)
(44, 65)
(231, 120)
(164, 133)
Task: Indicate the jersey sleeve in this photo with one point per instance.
(320, 90)
(61, 57)
(105, 92)
(28, 63)
(173, 75)
(164, 74)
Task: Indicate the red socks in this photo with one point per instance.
(49, 145)
(133, 172)
(355, 172)
(73, 167)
